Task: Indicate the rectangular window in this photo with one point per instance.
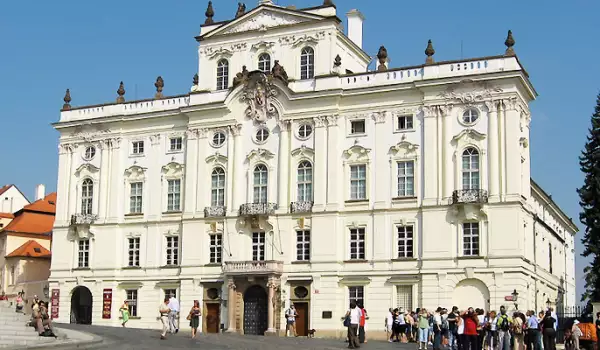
(550, 257)
(174, 195)
(134, 252)
(83, 253)
(406, 179)
(357, 127)
(135, 198)
(13, 275)
(405, 241)
(405, 122)
(303, 245)
(216, 249)
(258, 246)
(357, 294)
(357, 243)
(471, 239)
(175, 144)
(170, 293)
(172, 250)
(132, 299)
(138, 147)
(358, 182)
(404, 297)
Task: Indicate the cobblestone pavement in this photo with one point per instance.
(129, 339)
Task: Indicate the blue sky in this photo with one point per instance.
(90, 46)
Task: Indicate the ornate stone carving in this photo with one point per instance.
(90, 136)
(428, 111)
(492, 106)
(195, 82)
(202, 133)
(67, 100)
(279, 72)
(135, 173)
(191, 134)
(403, 148)
(260, 153)
(241, 77)
(121, 93)
(262, 45)
(382, 56)
(379, 117)
(429, 51)
(172, 169)
(258, 92)
(284, 125)
(159, 84)
(307, 38)
(356, 153)
(510, 103)
(510, 42)
(320, 122)
(65, 148)
(241, 10)
(236, 129)
(212, 52)
(155, 139)
(217, 159)
(210, 13)
(332, 120)
(231, 285)
(263, 21)
(472, 92)
(446, 109)
(303, 152)
(115, 142)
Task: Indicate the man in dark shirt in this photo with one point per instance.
(452, 328)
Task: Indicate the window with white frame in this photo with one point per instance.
(404, 122)
(172, 253)
(471, 239)
(303, 245)
(357, 127)
(406, 178)
(216, 248)
(222, 74)
(175, 144)
(135, 198)
(261, 182)
(404, 297)
(304, 131)
(137, 147)
(13, 275)
(470, 116)
(83, 253)
(132, 301)
(87, 196)
(405, 241)
(307, 63)
(174, 195)
(357, 295)
(305, 174)
(258, 246)
(264, 63)
(358, 182)
(133, 252)
(357, 243)
(217, 191)
(470, 169)
(170, 293)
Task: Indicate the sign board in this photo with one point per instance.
(106, 303)
(508, 298)
(54, 301)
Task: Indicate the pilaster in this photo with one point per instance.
(502, 146)
(320, 164)
(271, 284)
(62, 188)
(191, 175)
(283, 165)
(513, 152)
(237, 170)
(155, 199)
(202, 173)
(334, 165)
(448, 170)
(231, 301)
(381, 186)
(73, 187)
(493, 154)
(430, 162)
(104, 179)
(115, 210)
(233, 130)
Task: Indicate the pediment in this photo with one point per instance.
(88, 168)
(260, 153)
(403, 148)
(262, 19)
(356, 152)
(172, 169)
(303, 151)
(135, 173)
(217, 158)
(469, 135)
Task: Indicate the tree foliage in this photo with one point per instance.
(589, 199)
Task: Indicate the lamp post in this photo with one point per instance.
(515, 298)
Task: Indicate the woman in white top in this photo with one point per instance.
(460, 330)
(491, 327)
(389, 323)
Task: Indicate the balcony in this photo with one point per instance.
(253, 268)
(258, 209)
(215, 212)
(469, 197)
(301, 207)
(83, 219)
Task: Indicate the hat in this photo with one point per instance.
(576, 322)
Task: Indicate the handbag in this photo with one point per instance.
(347, 321)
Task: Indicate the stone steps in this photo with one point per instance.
(14, 329)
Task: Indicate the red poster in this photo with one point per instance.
(54, 303)
(107, 303)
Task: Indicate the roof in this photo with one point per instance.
(45, 205)
(548, 198)
(6, 216)
(31, 249)
(35, 218)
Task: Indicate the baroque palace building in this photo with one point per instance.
(291, 173)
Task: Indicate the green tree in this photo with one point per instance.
(589, 199)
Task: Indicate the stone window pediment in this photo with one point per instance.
(135, 173)
(303, 152)
(217, 159)
(172, 170)
(260, 155)
(404, 149)
(469, 137)
(87, 169)
(356, 153)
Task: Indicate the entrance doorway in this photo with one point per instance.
(81, 306)
(255, 311)
(213, 321)
(302, 318)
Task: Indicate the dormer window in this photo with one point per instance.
(222, 75)
(264, 63)
(307, 63)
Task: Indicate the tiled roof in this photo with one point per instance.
(31, 249)
(5, 188)
(6, 216)
(46, 205)
(35, 218)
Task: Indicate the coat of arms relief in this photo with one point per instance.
(258, 94)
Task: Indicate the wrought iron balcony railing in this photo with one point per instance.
(250, 209)
(215, 212)
(252, 267)
(301, 207)
(83, 219)
(469, 197)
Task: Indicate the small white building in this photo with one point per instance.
(293, 173)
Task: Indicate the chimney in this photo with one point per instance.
(40, 192)
(355, 26)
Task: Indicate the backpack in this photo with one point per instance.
(504, 323)
(445, 324)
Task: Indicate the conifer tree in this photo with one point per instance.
(589, 195)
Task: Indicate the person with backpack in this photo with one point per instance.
(519, 324)
(437, 329)
(504, 324)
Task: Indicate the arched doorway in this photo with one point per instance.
(471, 293)
(255, 311)
(81, 305)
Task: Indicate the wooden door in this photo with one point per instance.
(302, 319)
(212, 318)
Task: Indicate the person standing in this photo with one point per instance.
(423, 329)
(164, 312)
(362, 336)
(503, 325)
(194, 318)
(575, 334)
(532, 331)
(389, 324)
(19, 306)
(174, 315)
(470, 331)
(354, 317)
(518, 322)
(124, 309)
(437, 329)
(290, 316)
(549, 333)
(452, 328)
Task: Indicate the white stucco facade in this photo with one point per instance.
(402, 187)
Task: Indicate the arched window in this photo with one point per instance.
(264, 63)
(87, 196)
(222, 75)
(218, 188)
(470, 169)
(261, 181)
(307, 63)
(305, 190)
